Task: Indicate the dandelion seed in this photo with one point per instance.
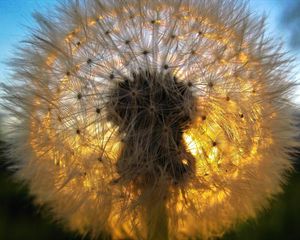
(89, 61)
(172, 123)
(145, 52)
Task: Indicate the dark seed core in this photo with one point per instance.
(153, 120)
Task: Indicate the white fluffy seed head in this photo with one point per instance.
(122, 107)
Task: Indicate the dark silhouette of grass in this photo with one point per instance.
(19, 218)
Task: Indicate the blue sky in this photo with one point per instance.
(15, 15)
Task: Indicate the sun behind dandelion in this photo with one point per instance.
(151, 119)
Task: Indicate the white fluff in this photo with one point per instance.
(66, 148)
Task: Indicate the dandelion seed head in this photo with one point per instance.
(130, 112)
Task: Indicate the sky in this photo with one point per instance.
(15, 17)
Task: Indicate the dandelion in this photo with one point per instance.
(161, 119)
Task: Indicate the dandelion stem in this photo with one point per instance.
(157, 221)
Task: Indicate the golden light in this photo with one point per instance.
(152, 119)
